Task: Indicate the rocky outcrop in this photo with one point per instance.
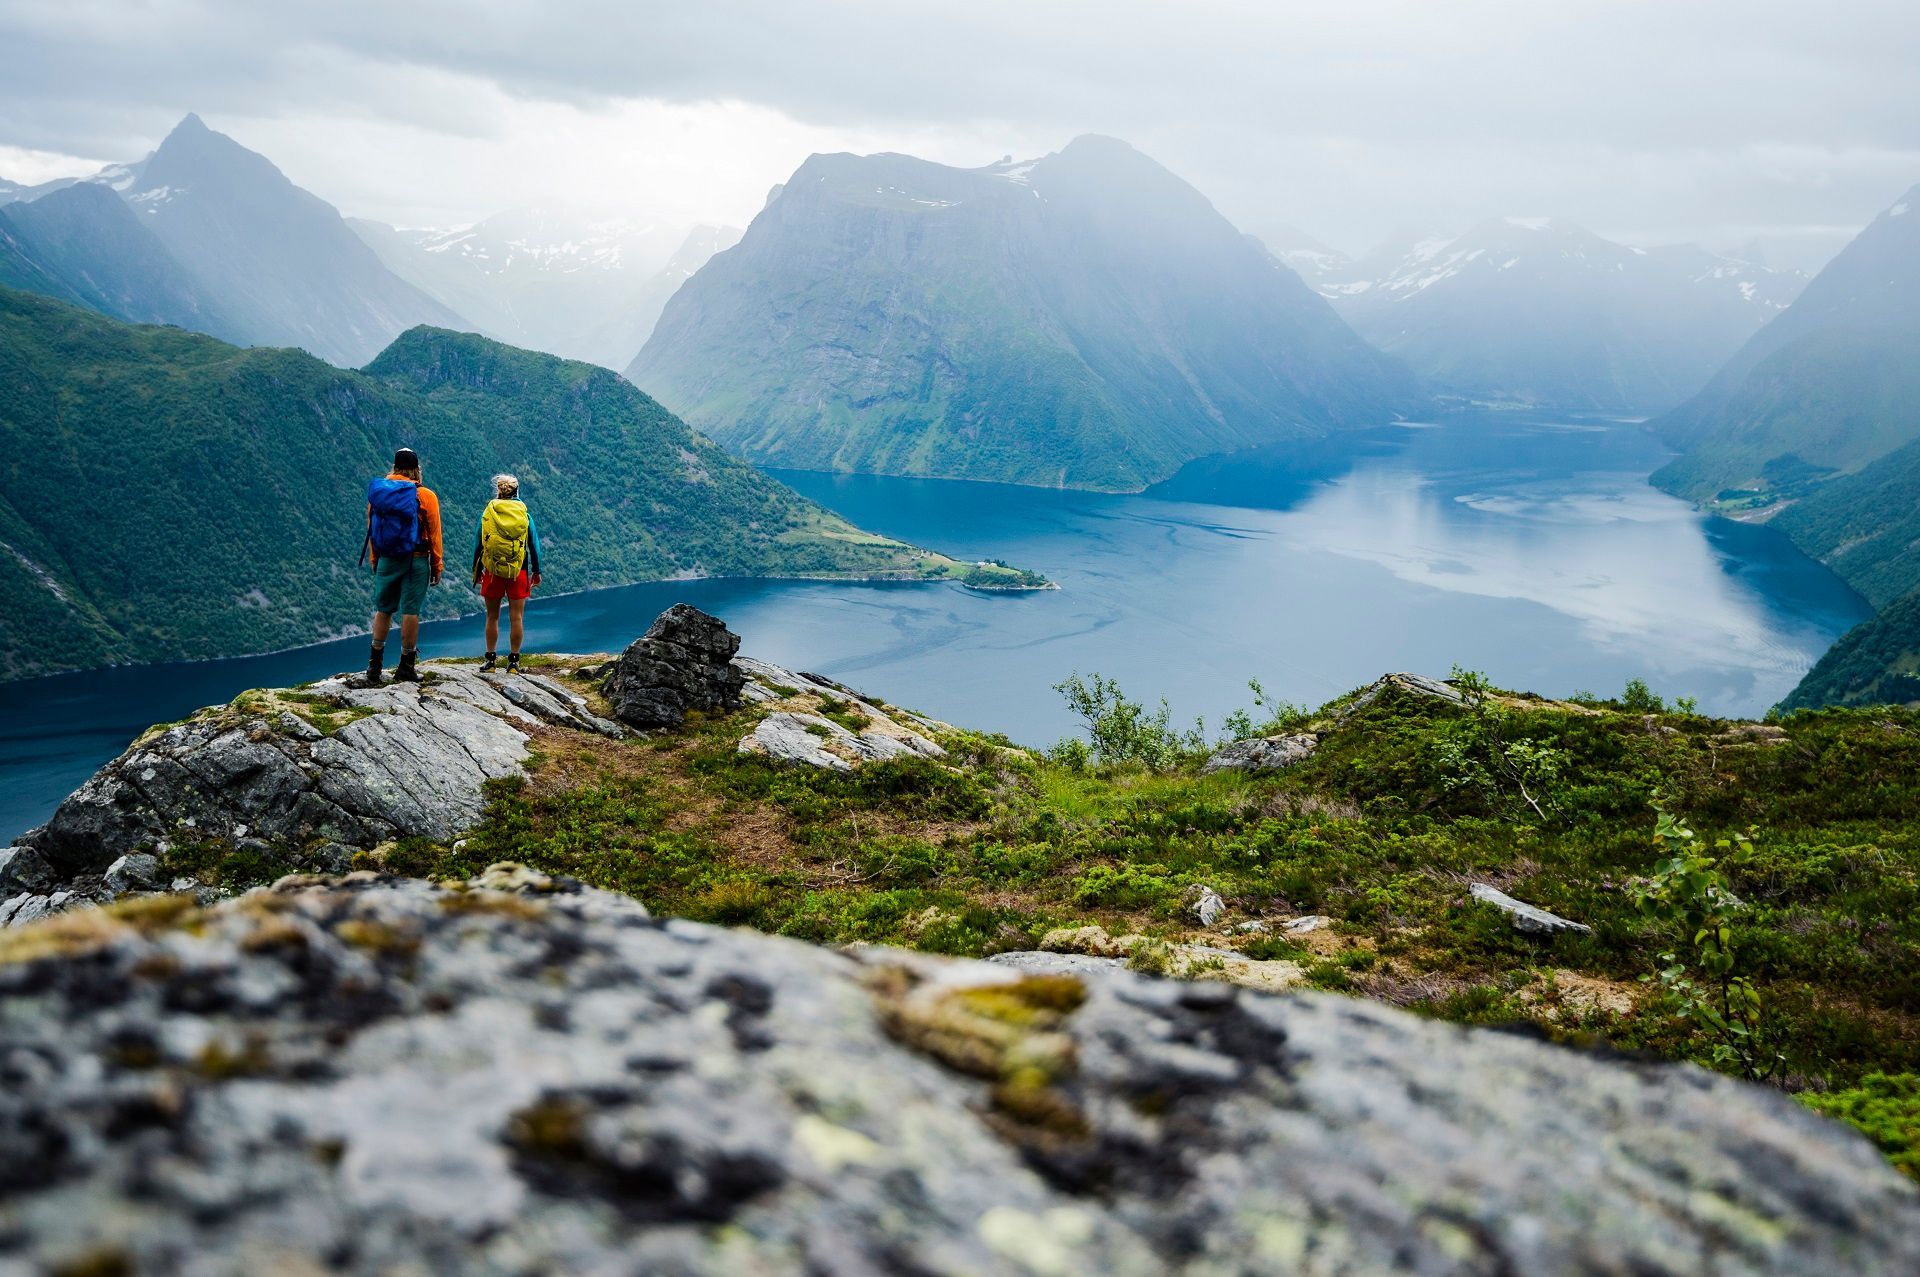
(1160, 957)
(1528, 918)
(331, 763)
(375, 1076)
(683, 662)
(1409, 684)
(804, 734)
(1262, 753)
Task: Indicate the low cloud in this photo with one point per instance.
(1637, 118)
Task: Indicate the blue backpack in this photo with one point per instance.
(395, 529)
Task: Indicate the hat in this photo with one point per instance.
(406, 459)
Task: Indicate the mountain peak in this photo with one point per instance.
(190, 125)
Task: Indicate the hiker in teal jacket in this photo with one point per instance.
(506, 565)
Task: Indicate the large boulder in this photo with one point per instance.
(330, 763)
(373, 1077)
(683, 662)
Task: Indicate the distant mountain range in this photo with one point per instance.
(574, 286)
(1815, 423)
(1542, 312)
(216, 239)
(204, 500)
(1082, 320)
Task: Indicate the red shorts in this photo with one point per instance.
(494, 587)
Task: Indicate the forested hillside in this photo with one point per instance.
(164, 495)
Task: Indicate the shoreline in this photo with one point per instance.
(864, 579)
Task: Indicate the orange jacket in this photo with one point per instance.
(429, 525)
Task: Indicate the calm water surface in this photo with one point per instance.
(1530, 549)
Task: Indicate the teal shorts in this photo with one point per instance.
(400, 585)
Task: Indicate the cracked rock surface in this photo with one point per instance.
(377, 1076)
(330, 762)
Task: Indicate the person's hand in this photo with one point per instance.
(536, 580)
(434, 579)
(476, 580)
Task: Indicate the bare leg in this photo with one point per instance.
(381, 621)
(493, 625)
(516, 608)
(409, 632)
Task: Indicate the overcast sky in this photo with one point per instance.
(1654, 121)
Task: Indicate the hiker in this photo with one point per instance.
(506, 565)
(403, 540)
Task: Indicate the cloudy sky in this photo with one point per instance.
(1648, 120)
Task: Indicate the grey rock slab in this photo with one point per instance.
(22, 869)
(1262, 753)
(1057, 963)
(135, 871)
(1528, 918)
(1205, 905)
(1412, 684)
(529, 1077)
(412, 763)
(809, 739)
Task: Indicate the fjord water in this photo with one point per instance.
(1529, 548)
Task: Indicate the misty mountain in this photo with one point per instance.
(1306, 256)
(279, 262)
(1083, 320)
(1829, 386)
(1540, 311)
(83, 244)
(550, 280)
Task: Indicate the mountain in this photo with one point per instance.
(278, 262)
(1083, 320)
(1829, 386)
(1540, 311)
(165, 496)
(1875, 663)
(14, 192)
(550, 280)
(86, 246)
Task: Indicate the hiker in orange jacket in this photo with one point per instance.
(403, 542)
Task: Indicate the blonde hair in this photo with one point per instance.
(505, 483)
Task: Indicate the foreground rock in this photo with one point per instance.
(330, 764)
(378, 1077)
(683, 662)
(1159, 957)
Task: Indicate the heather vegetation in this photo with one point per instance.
(1751, 888)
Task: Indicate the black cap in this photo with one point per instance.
(406, 459)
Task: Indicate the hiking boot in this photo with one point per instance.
(375, 663)
(490, 664)
(513, 662)
(404, 672)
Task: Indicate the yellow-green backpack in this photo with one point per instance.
(503, 538)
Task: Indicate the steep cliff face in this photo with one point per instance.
(515, 1075)
(1085, 320)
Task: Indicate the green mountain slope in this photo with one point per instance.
(164, 495)
(1875, 663)
(1084, 320)
(1828, 386)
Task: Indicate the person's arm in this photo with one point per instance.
(430, 515)
(533, 552)
(479, 539)
(367, 550)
